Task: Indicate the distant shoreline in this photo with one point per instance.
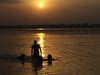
(50, 26)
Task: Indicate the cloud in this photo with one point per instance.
(10, 1)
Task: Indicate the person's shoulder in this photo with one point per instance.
(32, 45)
(38, 45)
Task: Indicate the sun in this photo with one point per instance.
(40, 5)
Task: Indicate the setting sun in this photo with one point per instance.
(40, 5)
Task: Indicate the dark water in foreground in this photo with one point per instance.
(77, 51)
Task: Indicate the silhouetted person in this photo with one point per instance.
(49, 59)
(36, 47)
(22, 57)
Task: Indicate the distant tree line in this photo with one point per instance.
(85, 25)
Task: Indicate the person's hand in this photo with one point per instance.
(41, 52)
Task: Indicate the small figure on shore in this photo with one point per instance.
(36, 47)
(22, 57)
(49, 59)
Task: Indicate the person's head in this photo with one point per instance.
(35, 42)
(22, 57)
(49, 57)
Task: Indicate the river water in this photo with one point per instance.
(76, 51)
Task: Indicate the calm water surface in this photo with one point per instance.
(77, 51)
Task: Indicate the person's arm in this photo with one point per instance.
(40, 50)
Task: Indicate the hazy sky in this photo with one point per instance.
(28, 12)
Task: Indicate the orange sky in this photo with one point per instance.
(26, 12)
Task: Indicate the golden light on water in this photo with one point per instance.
(40, 29)
(41, 34)
(41, 42)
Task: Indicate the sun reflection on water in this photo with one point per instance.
(41, 42)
